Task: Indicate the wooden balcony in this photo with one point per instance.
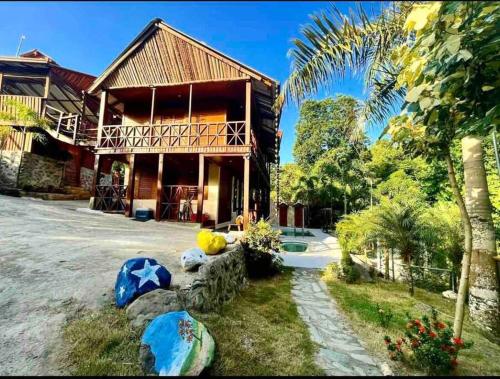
(215, 137)
(35, 103)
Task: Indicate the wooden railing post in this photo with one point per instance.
(129, 201)
(95, 180)
(201, 180)
(159, 187)
(246, 190)
(248, 111)
(102, 116)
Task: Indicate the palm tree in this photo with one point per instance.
(399, 227)
(359, 44)
(25, 119)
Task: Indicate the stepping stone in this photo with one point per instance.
(363, 358)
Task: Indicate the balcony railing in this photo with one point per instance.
(7, 104)
(215, 134)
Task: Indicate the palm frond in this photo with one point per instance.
(335, 45)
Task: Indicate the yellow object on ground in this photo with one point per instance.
(210, 243)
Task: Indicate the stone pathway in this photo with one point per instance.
(340, 352)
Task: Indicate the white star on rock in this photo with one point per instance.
(124, 270)
(147, 273)
(122, 291)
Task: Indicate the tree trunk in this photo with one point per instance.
(483, 289)
(386, 263)
(410, 272)
(464, 276)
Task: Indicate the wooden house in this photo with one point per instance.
(57, 93)
(195, 128)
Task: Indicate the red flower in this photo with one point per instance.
(441, 325)
(458, 341)
(417, 322)
(421, 329)
(432, 335)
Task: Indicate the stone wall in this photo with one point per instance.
(86, 177)
(217, 281)
(40, 173)
(9, 166)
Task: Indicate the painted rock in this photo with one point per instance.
(176, 344)
(193, 258)
(210, 243)
(138, 276)
(228, 237)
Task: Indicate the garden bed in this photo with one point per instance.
(359, 302)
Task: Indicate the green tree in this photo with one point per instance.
(324, 125)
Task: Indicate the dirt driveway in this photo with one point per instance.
(55, 257)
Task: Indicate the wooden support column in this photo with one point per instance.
(46, 93)
(95, 180)
(246, 190)
(190, 106)
(201, 180)
(129, 201)
(248, 111)
(152, 115)
(1, 81)
(159, 187)
(102, 115)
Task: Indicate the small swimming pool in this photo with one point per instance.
(294, 247)
(296, 233)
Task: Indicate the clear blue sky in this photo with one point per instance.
(87, 36)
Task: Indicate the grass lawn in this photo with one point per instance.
(257, 333)
(359, 303)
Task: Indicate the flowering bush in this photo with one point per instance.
(260, 243)
(428, 344)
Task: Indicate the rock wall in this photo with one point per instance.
(40, 173)
(9, 166)
(217, 281)
(86, 177)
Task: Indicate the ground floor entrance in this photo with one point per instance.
(204, 188)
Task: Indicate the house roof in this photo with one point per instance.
(163, 55)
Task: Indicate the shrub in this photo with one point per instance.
(330, 272)
(349, 273)
(261, 244)
(428, 344)
(385, 316)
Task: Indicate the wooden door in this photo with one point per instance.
(299, 216)
(283, 215)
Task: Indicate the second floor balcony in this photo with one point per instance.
(225, 136)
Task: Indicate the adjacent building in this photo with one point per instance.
(65, 158)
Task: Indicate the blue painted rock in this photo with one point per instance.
(193, 258)
(138, 276)
(176, 344)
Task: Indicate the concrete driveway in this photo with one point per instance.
(54, 258)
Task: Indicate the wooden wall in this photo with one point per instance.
(14, 141)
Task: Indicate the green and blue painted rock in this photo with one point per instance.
(175, 344)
